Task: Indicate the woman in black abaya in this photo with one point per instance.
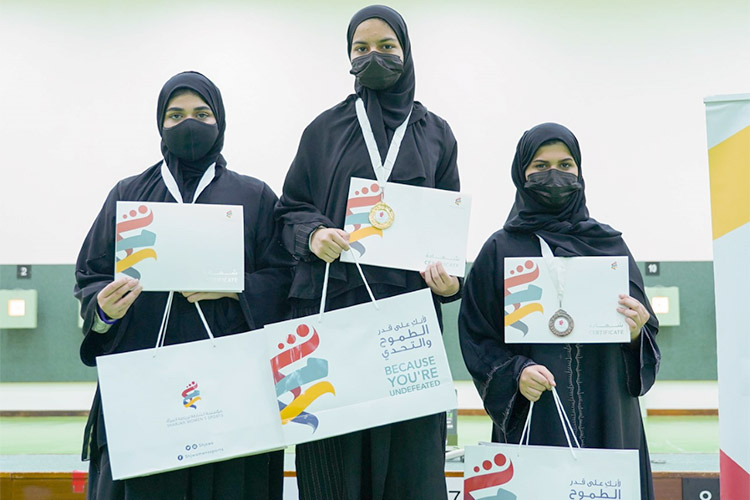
(598, 384)
(405, 459)
(119, 318)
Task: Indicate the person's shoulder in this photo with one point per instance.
(433, 121)
(334, 114)
(508, 243)
(429, 117)
(245, 181)
(251, 186)
(129, 186)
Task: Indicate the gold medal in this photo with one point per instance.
(381, 216)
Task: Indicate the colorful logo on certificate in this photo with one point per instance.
(293, 400)
(488, 477)
(358, 209)
(191, 395)
(524, 297)
(132, 235)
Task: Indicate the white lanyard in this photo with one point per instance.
(171, 184)
(557, 269)
(382, 170)
(168, 179)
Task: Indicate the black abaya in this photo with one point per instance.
(598, 384)
(406, 459)
(268, 272)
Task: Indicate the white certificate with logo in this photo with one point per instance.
(180, 247)
(578, 305)
(406, 227)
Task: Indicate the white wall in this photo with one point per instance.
(80, 80)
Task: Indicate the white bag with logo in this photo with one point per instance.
(522, 471)
(359, 367)
(182, 405)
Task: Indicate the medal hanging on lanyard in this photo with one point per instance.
(171, 184)
(561, 323)
(381, 215)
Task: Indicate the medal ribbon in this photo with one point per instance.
(171, 184)
(382, 170)
(557, 268)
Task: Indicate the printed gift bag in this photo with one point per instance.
(187, 404)
(520, 471)
(359, 367)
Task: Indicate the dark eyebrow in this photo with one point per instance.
(389, 39)
(199, 108)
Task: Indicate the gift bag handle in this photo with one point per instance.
(165, 320)
(325, 287)
(567, 426)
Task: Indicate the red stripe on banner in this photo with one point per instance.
(735, 481)
(79, 481)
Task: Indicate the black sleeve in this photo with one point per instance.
(446, 177)
(297, 209)
(642, 357)
(95, 269)
(264, 299)
(494, 366)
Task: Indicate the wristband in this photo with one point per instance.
(103, 316)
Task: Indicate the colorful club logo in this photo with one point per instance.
(297, 347)
(614, 265)
(191, 395)
(514, 312)
(490, 474)
(357, 221)
(125, 255)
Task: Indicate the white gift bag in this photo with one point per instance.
(509, 471)
(187, 404)
(359, 367)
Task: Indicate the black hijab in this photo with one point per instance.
(570, 229)
(188, 173)
(387, 109)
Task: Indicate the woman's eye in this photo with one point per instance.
(360, 49)
(388, 46)
(175, 116)
(203, 115)
(566, 165)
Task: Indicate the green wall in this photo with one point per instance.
(49, 353)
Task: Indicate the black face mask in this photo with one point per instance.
(191, 139)
(553, 188)
(377, 71)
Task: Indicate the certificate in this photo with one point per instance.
(406, 227)
(180, 247)
(565, 300)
